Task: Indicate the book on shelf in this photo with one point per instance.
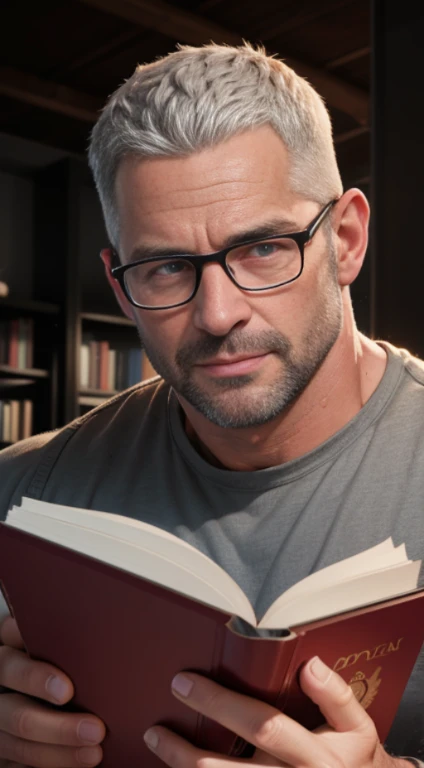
(16, 342)
(15, 420)
(122, 606)
(111, 369)
(103, 377)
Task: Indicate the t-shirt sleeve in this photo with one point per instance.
(17, 466)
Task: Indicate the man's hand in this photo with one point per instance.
(32, 734)
(349, 740)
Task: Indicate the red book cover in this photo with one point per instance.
(94, 363)
(13, 343)
(104, 364)
(121, 639)
(29, 342)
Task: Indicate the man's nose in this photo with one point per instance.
(219, 305)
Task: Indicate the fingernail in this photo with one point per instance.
(320, 671)
(89, 755)
(92, 733)
(151, 738)
(182, 685)
(57, 688)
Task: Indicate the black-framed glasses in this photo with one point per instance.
(166, 282)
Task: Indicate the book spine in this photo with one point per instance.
(13, 343)
(134, 366)
(255, 668)
(103, 365)
(84, 366)
(4, 342)
(94, 367)
(27, 419)
(22, 342)
(6, 422)
(14, 421)
(112, 371)
(29, 343)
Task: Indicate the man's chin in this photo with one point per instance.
(231, 409)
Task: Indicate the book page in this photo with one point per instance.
(136, 547)
(380, 556)
(343, 596)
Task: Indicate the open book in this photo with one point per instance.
(377, 574)
(122, 606)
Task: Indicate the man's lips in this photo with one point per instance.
(234, 366)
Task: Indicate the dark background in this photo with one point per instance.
(59, 61)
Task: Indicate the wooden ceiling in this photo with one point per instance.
(60, 59)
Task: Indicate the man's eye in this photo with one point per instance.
(264, 249)
(168, 269)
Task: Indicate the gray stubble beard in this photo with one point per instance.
(231, 410)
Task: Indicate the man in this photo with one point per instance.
(280, 439)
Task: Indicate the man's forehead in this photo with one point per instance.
(256, 158)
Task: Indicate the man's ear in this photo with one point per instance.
(126, 306)
(350, 224)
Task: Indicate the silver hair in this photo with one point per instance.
(196, 98)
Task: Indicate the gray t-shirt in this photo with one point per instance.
(267, 528)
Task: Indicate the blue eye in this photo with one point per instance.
(264, 249)
(171, 268)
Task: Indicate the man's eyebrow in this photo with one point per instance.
(267, 229)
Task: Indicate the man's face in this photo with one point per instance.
(239, 358)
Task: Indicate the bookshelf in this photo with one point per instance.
(65, 298)
(28, 392)
(68, 274)
(110, 350)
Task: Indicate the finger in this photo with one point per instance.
(9, 633)
(256, 722)
(262, 758)
(176, 751)
(9, 764)
(30, 753)
(334, 697)
(27, 719)
(35, 678)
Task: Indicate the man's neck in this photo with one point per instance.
(346, 380)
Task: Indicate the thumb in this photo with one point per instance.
(335, 698)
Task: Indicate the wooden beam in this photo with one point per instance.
(287, 19)
(359, 53)
(337, 93)
(171, 21)
(352, 134)
(196, 30)
(30, 89)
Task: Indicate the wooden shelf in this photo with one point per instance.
(30, 305)
(103, 393)
(11, 383)
(92, 317)
(22, 373)
(91, 402)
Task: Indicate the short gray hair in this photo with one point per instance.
(196, 98)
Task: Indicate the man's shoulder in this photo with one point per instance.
(414, 367)
(19, 463)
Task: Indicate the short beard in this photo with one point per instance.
(229, 407)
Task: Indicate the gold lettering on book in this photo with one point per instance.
(367, 655)
(365, 690)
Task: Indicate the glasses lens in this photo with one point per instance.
(161, 283)
(265, 263)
